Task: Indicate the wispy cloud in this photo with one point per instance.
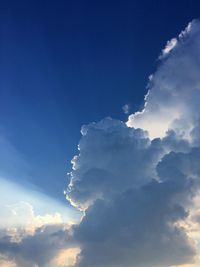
(126, 108)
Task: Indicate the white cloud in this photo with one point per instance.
(173, 98)
(169, 46)
(20, 217)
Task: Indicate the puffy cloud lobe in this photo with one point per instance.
(174, 90)
(130, 222)
(22, 216)
(183, 163)
(110, 154)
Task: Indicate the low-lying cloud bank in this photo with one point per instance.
(137, 182)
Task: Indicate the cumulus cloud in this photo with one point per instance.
(137, 182)
(21, 216)
(35, 240)
(109, 151)
(133, 203)
(173, 97)
(37, 249)
(34, 228)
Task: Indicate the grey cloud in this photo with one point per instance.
(110, 154)
(130, 223)
(37, 249)
(183, 163)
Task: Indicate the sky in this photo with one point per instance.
(99, 133)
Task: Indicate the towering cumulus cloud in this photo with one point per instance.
(137, 183)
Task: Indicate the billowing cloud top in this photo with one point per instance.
(173, 97)
(136, 182)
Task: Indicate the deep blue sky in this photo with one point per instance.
(67, 63)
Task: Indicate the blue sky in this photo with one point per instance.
(74, 75)
(65, 64)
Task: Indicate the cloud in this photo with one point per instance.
(109, 151)
(37, 249)
(169, 46)
(12, 194)
(33, 227)
(66, 257)
(126, 109)
(131, 211)
(4, 262)
(137, 182)
(21, 218)
(173, 94)
(35, 240)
